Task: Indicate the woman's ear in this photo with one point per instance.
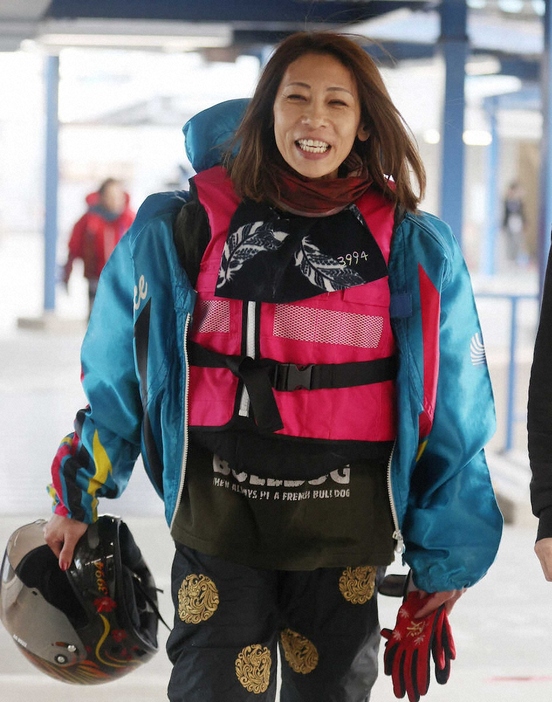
(363, 133)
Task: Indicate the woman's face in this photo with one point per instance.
(317, 115)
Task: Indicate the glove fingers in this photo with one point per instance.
(422, 654)
(398, 679)
(408, 673)
(443, 645)
(449, 639)
(443, 649)
(442, 674)
(389, 658)
(420, 675)
(438, 649)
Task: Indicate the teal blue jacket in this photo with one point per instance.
(135, 377)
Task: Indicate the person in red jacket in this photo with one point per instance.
(97, 232)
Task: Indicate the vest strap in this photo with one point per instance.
(257, 383)
(261, 375)
(288, 376)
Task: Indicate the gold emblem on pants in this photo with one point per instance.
(300, 653)
(198, 599)
(253, 668)
(357, 585)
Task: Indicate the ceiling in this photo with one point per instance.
(219, 23)
(224, 29)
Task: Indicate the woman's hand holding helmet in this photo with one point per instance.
(62, 535)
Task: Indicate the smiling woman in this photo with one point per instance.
(317, 116)
(381, 146)
(285, 344)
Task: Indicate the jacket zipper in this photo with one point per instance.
(250, 331)
(397, 534)
(185, 427)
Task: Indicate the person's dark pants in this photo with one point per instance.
(231, 619)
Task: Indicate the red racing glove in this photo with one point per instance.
(412, 643)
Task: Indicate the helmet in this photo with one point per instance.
(90, 624)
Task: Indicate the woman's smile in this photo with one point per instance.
(313, 146)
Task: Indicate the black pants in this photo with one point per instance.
(230, 621)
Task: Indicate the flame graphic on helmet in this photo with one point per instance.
(85, 673)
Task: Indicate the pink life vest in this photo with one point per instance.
(342, 331)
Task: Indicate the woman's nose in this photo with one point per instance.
(314, 115)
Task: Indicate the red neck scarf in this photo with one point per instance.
(322, 196)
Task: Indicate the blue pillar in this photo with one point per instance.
(51, 182)
(487, 264)
(453, 47)
(545, 223)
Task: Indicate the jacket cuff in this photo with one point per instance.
(545, 524)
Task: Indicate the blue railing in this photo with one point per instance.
(511, 417)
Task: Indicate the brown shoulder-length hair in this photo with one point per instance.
(390, 153)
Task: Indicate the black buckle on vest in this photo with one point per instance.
(288, 376)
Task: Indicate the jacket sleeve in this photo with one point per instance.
(452, 525)
(75, 246)
(97, 458)
(539, 414)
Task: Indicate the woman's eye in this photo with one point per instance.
(296, 96)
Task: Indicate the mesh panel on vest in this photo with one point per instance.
(212, 316)
(327, 326)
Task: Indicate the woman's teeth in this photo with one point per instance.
(313, 146)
